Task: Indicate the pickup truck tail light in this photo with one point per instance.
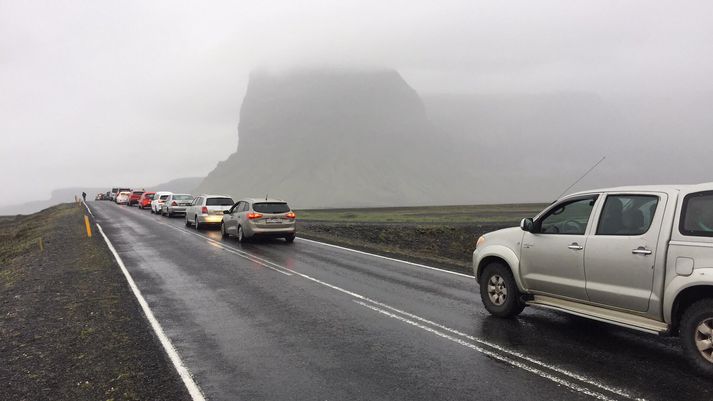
(204, 210)
(291, 215)
(253, 216)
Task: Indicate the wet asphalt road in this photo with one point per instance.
(306, 321)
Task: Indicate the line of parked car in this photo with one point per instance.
(244, 219)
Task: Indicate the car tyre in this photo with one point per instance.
(290, 238)
(696, 334)
(241, 235)
(499, 292)
(197, 224)
(224, 233)
(188, 222)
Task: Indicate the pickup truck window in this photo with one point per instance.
(627, 214)
(568, 218)
(697, 215)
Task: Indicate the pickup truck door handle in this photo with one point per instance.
(641, 251)
(576, 247)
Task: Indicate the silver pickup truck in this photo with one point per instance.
(638, 257)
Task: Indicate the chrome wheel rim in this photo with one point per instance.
(497, 292)
(704, 339)
(240, 233)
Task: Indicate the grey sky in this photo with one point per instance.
(99, 93)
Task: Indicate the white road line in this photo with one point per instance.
(386, 257)
(492, 354)
(384, 309)
(242, 254)
(509, 352)
(88, 209)
(191, 386)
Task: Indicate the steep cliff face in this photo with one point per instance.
(339, 139)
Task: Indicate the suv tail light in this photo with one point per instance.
(291, 215)
(252, 216)
(204, 210)
(174, 203)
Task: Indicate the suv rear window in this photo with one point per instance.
(697, 215)
(271, 207)
(219, 202)
(138, 192)
(164, 197)
(183, 197)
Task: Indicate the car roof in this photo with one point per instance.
(651, 188)
(261, 200)
(215, 196)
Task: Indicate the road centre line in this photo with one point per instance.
(494, 355)
(497, 347)
(413, 320)
(242, 254)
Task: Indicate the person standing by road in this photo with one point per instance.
(84, 196)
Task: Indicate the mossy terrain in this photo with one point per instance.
(439, 235)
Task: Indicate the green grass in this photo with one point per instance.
(468, 214)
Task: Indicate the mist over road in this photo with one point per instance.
(268, 320)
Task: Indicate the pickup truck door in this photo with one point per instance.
(552, 254)
(620, 254)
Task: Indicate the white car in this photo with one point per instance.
(158, 199)
(207, 209)
(176, 204)
(123, 198)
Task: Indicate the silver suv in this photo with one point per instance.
(638, 257)
(259, 217)
(207, 209)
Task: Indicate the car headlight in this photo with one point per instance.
(480, 241)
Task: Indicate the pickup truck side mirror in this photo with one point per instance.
(527, 225)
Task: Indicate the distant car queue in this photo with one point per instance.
(245, 219)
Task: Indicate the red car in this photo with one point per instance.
(134, 197)
(145, 200)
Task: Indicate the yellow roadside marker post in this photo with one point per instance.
(39, 241)
(89, 228)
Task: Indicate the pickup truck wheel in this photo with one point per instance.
(499, 292)
(697, 335)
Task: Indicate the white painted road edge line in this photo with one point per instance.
(386, 257)
(88, 209)
(515, 354)
(495, 355)
(183, 372)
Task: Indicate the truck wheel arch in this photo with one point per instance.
(488, 260)
(686, 298)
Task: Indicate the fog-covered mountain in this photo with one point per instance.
(341, 138)
(531, 147)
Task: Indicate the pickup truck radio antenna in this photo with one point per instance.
(582, 177)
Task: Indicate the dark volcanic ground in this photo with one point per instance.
(70, 327)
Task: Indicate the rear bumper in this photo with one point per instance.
(271, 232)
(176, 209)
(210, 218)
